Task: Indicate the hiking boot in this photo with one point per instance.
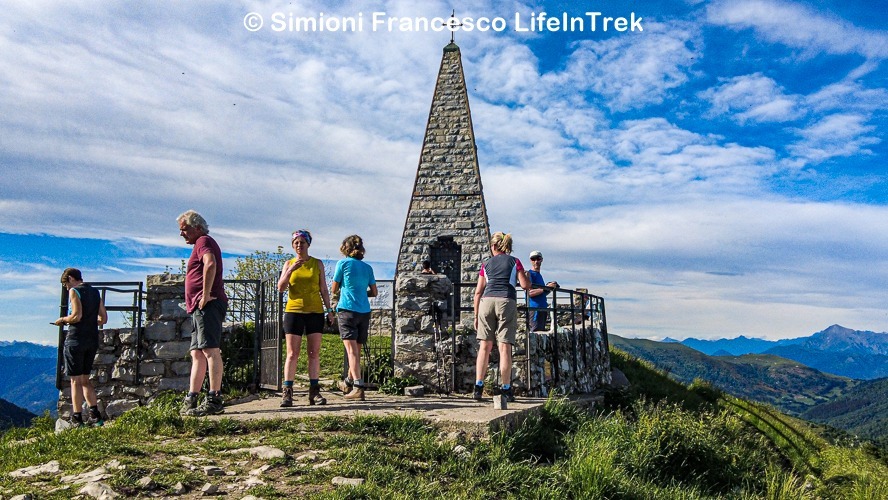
(76, 422)
(314, 396)
(345, 386)
(210, 406)
(509, 394)
(189, 403)
(357, 393)
(478, 392)
(95, 420)
(287, 397)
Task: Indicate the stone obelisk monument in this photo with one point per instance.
(447, 219)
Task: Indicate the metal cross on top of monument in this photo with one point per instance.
(447, 219)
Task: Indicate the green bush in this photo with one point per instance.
(395, 385)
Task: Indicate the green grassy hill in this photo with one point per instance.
(785, 384)
(861, 411)
(660, 439)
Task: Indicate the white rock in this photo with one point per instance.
(62, 425)
(178, 489)
(260, 470)
(326, 463)
(146, 483)
(253, 481)
(267, 452)
(209, 489)
(92, 476)
(461, 451)
(47, 468)
(500, 403)
(347, 481)
(309, 456)
(98, 490)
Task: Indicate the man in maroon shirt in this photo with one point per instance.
(205, 300)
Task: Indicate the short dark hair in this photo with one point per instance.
(426, 264)
(71, 273)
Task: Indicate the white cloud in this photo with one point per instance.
(752, 98)
(848, 96)
(835, 135)
(632, 72)
(799, 27)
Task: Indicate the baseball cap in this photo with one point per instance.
(535, 254)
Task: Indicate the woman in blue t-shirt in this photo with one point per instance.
(353, 281)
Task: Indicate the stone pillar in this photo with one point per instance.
(416, 351)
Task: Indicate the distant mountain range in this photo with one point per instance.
(787, 385)
(838, 350)
(818, 393)
(27, 376)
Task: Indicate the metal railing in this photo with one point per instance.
(377, 356)
(133, 294)
(576, 312)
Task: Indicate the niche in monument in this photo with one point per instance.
(446, 257)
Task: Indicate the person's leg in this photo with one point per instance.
(505, 363)
(89, 392)
(76, 400)
(484, 349)
(294, 344)
(353, 354)
(198, 371)
(214, 366)
(314, 369)
(314, 355)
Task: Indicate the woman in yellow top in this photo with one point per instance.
(307, 300)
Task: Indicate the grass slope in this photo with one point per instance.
(659, 440)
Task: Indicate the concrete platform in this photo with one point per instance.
(449, 413)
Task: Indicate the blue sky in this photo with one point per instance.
(721, 172)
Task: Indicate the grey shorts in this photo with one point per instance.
(354, 326)
(206, 325)
(498, 320)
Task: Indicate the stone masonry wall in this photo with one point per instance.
(583, 363)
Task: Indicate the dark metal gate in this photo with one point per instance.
(270, 334)
(446, 257)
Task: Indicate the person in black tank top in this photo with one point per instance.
(86, 314)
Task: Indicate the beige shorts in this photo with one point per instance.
(498, 320)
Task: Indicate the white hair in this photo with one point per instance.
(194, 219)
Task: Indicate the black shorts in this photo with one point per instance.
(303, 323)
(354, 326)
(538, 321)
(79, 359)
(206, 325)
